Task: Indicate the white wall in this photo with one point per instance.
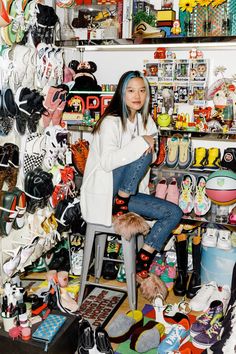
(112, 64)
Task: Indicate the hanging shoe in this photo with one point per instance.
(202, 203)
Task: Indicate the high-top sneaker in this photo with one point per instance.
(213, 160)
(200, 158)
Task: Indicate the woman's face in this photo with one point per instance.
(135, 94)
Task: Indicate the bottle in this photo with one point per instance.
(23, 318)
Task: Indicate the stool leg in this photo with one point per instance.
(88, 246)
(129, 251)
(100, 243)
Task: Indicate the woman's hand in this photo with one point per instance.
(151, 142)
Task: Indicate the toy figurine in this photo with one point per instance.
(176, 29)
(168, 101)
(193, 53)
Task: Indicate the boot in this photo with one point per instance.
(195, 280)
(213, 162)
(182, 265)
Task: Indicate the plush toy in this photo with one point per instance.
(84, 76)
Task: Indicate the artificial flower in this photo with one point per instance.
(219, 70)
(217, 2)
(204, 2)
(187, 5)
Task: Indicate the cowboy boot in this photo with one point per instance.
(195, 280)
(182, 265)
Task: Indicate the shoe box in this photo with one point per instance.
(65, 341)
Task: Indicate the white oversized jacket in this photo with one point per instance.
(107, 153)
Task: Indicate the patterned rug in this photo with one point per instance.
(149, 313)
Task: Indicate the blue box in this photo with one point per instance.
(217, 265)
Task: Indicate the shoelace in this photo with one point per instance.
(205, 319)
(175, 333)
(215, 329)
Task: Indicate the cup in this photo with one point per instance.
(9, 322)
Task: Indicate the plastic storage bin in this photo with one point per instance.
(217, 265)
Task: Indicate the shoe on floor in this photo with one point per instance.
(178, 335)
(86, 342)
(209, 337)
(124, 325)
(103, 344)
(200, 302)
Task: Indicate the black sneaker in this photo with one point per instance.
(13, 150)
(86, 341)
(4, 157)
(102, 341)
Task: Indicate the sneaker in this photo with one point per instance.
(200, 156)
(233, 238)
(222, 293)
(161, 189)
(213, 160)
(186, 200)
(178, 335)
(224, 240)
(185, 152)
(77, 254)
(208, 338)
(172, 156)
(172, 194)
(206, 320)
(209, 238)
(103, 344)
(86, 340)
(232, 216)
(202, 203)
(200, 302)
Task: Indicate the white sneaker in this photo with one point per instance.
(200, 302)
(209, 238)
(222, 294)
(224, 240)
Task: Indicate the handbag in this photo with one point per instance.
(48, 329)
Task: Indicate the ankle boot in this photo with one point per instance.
(195, 280)
(182, 265)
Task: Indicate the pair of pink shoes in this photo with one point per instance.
(168, 191)
(232, 216)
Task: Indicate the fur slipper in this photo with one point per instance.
(129, 225)
(152, 287)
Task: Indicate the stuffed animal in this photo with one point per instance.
(84, 76)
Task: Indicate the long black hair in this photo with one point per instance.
(117, 106)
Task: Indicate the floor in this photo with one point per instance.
(171, 299)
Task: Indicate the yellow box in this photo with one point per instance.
(166, 15)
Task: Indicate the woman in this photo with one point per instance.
(117, 170)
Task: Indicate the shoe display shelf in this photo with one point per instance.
(166, 173)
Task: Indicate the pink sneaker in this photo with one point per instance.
(232, 216)
(161, 189)
(173, 192)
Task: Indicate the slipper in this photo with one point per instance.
(8, 211)
(124, 325)
(147, 337)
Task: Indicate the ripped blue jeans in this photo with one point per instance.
(167, 214)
